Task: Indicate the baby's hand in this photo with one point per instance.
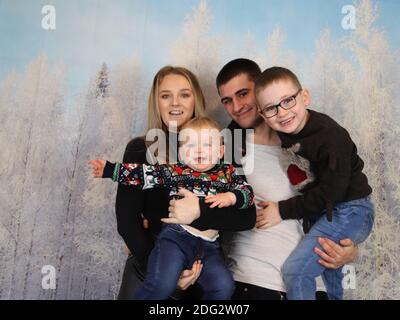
(221, 200)
(97, 167)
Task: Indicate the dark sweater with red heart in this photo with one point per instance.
(334, 165)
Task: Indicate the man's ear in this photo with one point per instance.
(306, 97)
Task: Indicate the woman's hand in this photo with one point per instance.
(336, 255)
(185, 210)
(189, 277)
(97, 167)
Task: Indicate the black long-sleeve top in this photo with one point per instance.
(132, 204)
(327, 152)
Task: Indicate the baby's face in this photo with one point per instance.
(201, 149)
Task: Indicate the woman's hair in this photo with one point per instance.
(154, 117)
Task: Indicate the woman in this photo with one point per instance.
(174, 99)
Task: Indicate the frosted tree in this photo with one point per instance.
(328, 72)
(102, 84)
(359, 91)
(197, 50)
(33, 130)
(98, 249)
(276, 53)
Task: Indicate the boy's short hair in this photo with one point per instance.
(237, 67)
(274, 74)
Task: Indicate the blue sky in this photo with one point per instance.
(92, 31)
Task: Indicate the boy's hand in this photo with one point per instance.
(268, 216)
(97, 167)
(221, 200)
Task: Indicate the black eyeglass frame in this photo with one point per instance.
(280, 105)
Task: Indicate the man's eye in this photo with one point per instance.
(242, 94)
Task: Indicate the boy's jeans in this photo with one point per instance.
(176, 250)
(352, 219)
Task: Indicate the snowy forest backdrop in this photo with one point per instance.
(53, 213)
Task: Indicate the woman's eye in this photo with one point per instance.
(164, 96)
(186, 95)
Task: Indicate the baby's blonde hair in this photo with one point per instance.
(199, 123)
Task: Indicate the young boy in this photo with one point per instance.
(322, 163)
(178, 246)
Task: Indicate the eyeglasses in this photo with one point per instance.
(287, 103)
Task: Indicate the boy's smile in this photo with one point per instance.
(290, 121)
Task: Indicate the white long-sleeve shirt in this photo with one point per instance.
(256, 256)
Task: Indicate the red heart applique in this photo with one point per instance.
(296, 175)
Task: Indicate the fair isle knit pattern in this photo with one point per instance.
(222, 178)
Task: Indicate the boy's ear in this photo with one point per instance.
(306, 97)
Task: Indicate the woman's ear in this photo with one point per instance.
(306, 97)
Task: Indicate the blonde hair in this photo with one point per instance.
(154, 117)
(199, 123)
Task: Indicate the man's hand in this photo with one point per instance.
(268, 216)
(97, 167)
(189, 277)
(336, 255)
(225, 199)
(185, 210)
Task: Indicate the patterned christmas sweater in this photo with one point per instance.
(221, 178)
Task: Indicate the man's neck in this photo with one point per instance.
(263, 134)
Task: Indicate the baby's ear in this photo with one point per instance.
(222, 151)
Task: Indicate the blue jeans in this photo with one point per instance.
(353, 219)
(176, 250)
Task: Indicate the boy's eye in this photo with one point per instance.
(269, 109)
(287, 101)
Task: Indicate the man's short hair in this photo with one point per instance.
(274, 74)
(237, 67)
